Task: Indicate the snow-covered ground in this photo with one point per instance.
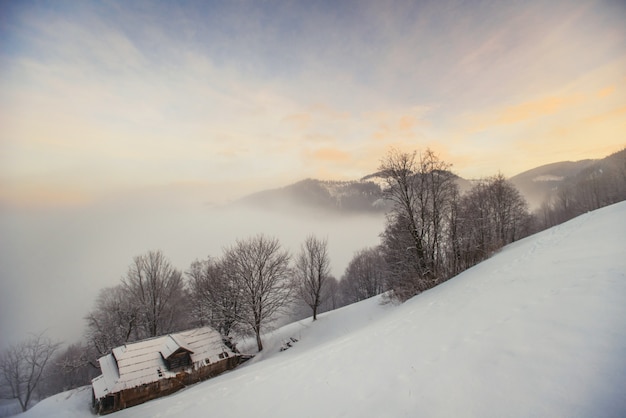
(537, 330)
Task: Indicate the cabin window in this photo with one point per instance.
(207, 361)
(223, 355)
(160, 372)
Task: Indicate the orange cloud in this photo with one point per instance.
(594, 136)
(535, 109)
(329, 154)
(599, 126)
(320, 138)
(605, 92)
(407, 122)
(391, 126)
(328, 112)
(298, 120)
(606, 116)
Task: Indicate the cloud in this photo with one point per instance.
(528, 111)
(92, 42)
(317, 118)
(612, 115)
(398, 124)
(327, 112)
(108, 86)
(606, 92)
(301, 121)
(328, 154)
(583, 118)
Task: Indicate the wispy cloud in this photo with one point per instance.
(328, 155)
(120, 91)
(529, 111)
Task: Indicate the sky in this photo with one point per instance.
(98, 97)
(121, 122)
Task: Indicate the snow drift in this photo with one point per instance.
(537, 330)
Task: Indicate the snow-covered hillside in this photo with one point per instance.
(537, 330)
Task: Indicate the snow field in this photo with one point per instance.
(537, 330)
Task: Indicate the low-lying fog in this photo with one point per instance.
(54, 262)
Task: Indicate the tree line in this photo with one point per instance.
(601, 184)
(432, 232)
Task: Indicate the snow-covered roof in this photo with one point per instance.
(108, 378)
(172, 345)
(143, 361)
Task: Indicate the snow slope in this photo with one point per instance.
(537, 330)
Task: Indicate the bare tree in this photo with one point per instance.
(158, 289)
(421, 190)
(404, 269)
(454, 238)
(493, 214)
(331, 297)
(365, 275)
(312, 272)
(259, 269)
(399, 170)
(509, 210)
(22, 367)
(216, 300)
(113, 321)
(475, 240)
(70, 368)
(438, 190)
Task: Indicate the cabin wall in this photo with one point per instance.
(210, 370)
(163, 387)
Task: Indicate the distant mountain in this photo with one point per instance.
(540, 184)
(363, 195)
(537, 184)
(358, 196)
(366, 195)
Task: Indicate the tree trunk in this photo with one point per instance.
(259, 343)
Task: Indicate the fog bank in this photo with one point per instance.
(53, 262)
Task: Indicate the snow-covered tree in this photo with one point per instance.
(259, 269)
(157, 288)
(494, 214)
(22, 367)
(70, 368)
(312, 272)
(421, 189)
(113, 321)
(365, 275)
(216, 301)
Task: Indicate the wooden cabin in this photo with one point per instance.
(138, 372)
